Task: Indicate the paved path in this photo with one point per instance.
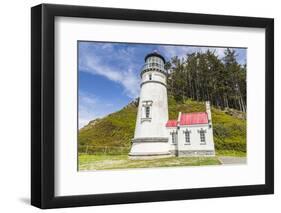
(233, 160)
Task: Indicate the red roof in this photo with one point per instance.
(194, 118)
(171, 123)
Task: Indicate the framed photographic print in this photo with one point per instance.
(139, 106)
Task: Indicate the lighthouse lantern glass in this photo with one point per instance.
(154, 61)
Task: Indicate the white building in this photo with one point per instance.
(192, 134)
(155, 135)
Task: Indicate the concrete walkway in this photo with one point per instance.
(232, 160)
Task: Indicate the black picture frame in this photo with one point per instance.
(43, 102)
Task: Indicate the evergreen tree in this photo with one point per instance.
(203, 76)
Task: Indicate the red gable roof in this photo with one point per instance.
(171, 123)
(194, 118)
(189, 119)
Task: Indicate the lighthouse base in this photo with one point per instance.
(148, 148)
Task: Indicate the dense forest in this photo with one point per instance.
(204, 76)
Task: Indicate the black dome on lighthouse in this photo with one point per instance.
(155, 53)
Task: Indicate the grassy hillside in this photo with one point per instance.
(113, 133)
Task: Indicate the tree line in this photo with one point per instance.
(204, 76)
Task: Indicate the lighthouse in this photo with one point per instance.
(151, 137)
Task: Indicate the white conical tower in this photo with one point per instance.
(150, 137)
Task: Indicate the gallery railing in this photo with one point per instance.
(152, 65)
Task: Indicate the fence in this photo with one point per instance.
(106, 150)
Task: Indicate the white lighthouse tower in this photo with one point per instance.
(151, 137)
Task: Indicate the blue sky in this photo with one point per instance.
(109, 73)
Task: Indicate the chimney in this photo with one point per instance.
(179, 119)
(208, 110)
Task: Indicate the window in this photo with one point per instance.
(150, 77)
(174, 137)
(147, 111)
(202, 136)
(187, 137)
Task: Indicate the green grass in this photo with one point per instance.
(112, 134)
(231, 153)
(103, 162)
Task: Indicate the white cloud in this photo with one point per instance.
(87, 105)
(171, 51)
(219, 52)
(92, 62)
(92, 107)
(181, 51)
